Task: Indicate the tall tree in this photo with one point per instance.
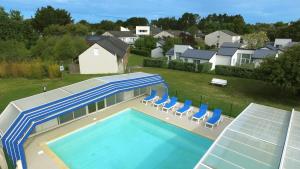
(283, 71)
(187, 20)
(256, 40)
(136, 21)
(46, 16)
(166, 23)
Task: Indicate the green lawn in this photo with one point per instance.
(135, 60)
(195, 86)
(16, 88)
(232, 99)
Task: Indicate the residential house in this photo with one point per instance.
(199, 56)
(158, 51)
(167, 33)
(106, 55)
(176, 52)
(126, 36)
(142, 30)
(233, 54)
(217, 38)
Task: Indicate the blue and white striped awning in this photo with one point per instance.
(21, 116)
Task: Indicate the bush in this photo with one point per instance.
(153, 62)
(235, 71)
(34, 69)
(204, 67)
(53, 71)
(142, 52)
(179, 65)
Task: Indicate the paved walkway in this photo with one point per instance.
(39, 156)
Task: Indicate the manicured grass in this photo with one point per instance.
(17, 88)
(232, 99)
(135, 60)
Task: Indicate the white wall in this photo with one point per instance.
(163, 34)
(234, 58)
(219, 37)
(142, 30)
(282, 42)
(3, 164)
(157, 52)
(93, 62)
(223, 60)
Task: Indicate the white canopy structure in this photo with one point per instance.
(21, 117)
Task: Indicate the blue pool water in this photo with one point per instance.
(130, 140)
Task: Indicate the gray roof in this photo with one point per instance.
(271, 47)
(198, 54)
(119, 34)
(227, 51)
(229, 33)
(94, 38)
(155, 30)
(262, 53)
(231, 45)
(170, 52)
(114, 45)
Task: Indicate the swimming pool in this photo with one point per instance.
(130, 139)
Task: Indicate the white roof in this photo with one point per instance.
(291, 154)
(255, 139)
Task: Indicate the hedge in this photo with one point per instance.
(142, 52)
(235, 71)
(204, 67)
(153, 62)
(179, 65)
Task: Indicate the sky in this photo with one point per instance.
(253, 11)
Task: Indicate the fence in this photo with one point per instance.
(229, 107)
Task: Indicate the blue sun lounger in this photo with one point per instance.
(201, 114)
(150, 98)
(215, 119)
(185, 109)
(170, 105)
(162, 101)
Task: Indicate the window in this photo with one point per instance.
(80, 112)
(136, 92)
(92, 107)
(143, 31)
(111, 100)
(96, 52)
(65, 118)
(243, 59)
(119, 97)
(143, 90)
(100, 105)
(178, 54)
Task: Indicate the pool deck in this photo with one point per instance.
(39, 156)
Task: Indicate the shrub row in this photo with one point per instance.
(153, 62)
(184, 66)
(204, 67)
(235, 71)
(142, 52)
(33, 69)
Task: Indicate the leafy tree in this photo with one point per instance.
(57, 48)
(77, 29)
(136, 21)
(187, 39)
(166, 23)
(256, 40)
(12, 50)
(55, 30)
(283, 71)
(46, 16)
(193, 29)
(147, 42)
(187, 20)
(170, 42)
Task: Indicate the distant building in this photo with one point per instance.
(142, 30)
(158, 51)
(199, 56)
(124, 29)
(106, 55)
(167, 33)
(176, 52)
(126, 36)
(217, 38)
